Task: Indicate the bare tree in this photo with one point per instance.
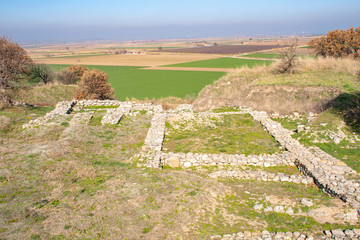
(288, 58)
(14, 66)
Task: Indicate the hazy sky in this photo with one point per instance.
(154, 19)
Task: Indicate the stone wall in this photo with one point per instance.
(328, 175)
(333, 234)
(154, 140)
(262, 176)
(61, 108)
(198, 159)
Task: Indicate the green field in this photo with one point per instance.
(262, 55)
(141, 83)
(223, 63)
(272, 55)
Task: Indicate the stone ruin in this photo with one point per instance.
(328, 173)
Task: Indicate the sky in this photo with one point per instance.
(76, 20)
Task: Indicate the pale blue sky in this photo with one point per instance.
(139, 19)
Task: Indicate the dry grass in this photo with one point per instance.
(314, 83)
(344, 65)
(46, 95)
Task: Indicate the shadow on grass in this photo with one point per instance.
(348, 104)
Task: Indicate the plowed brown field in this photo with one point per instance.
(225, 49)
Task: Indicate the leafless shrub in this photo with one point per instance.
(288, 58)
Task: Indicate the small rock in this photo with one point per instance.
(258, 207)
(173, 162)
(349, 233)
(279, 209)
(290, 211)
(187, 164)
(268, 209)
(338, 233)
(300, 128)
(306, 202)
(351, 216)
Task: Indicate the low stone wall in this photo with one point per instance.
(124, 106)
(334, 234)
(154, 140)
(61, 108)
(263, 176)
(198, 159)
(327, 176)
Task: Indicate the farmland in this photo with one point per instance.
(223, 49)
(151, 59)
(141, 83)
(223, 63)
(262, 55)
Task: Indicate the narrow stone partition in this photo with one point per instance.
(198, 159)
(328, 175)
(151, 150)
(262, 176)
(62, 108)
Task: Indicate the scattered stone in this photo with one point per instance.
(279, 209)
(300, 128)
(306, 202)
(290, 211)
(268, 209)
(338, 233)
(258, 207)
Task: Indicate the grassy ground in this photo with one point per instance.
(134, 82)
(46, 95)
(77, 182)
(314, 84)
(231, 134)
(341, 80)
(330, 121)
(223, 63)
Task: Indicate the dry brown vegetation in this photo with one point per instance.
(338, 43)
(314, 83)
(14, 65)
(94, 85)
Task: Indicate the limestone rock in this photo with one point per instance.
(306, 202)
